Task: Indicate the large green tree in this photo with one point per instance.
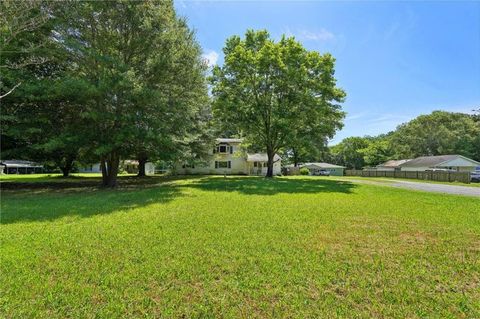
(37, 113)
(272, 92)
(143, 76)
(24, 40)
(177, 96)
(309, 143)
(438, 133)
(476, 141)
(349, 152)
(379, 149)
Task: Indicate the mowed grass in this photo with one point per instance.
(239, 247)
(45, 177)
(6, 178)
(391, 179)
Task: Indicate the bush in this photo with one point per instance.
(304, 171)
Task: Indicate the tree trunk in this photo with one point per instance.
(67, 165)
(103, 168)
(295, 158)
(142, 160)
(110, 170)
(270, 155)
(66, 170)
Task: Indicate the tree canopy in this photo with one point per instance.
(438, 133)
(275, 93)
(122, 79)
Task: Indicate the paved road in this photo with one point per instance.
(428, 187)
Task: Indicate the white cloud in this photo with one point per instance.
(389, 118)
(355, 116)
(211, 57)
(322, 35)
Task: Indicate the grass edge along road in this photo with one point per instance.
(391, 179)
(96, 176)
(239, 247)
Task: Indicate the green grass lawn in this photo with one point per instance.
(44, 177)
(389, 179)
(297, 247)
(51, 177)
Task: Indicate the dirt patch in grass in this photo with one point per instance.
(373, 238)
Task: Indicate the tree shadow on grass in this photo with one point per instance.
(55, 201)
(62, 183)
(49, 205)
(272, 186)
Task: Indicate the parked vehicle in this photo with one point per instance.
(323, 172)
(475, 176)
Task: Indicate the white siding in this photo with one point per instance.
(237, 160)
(385, 169)
(94, 168)
(277, 169)
(415, 169)
(460, 162)
(238, 166)
(149, 168)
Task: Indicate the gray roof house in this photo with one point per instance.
(391, 165)
(451, 162)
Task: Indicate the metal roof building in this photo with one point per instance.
(20, 167)
(450, 162)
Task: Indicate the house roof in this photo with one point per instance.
(261, 157)
(19, 163)
(229, 140)
(393, 163)
(322, 165)
(429, 161)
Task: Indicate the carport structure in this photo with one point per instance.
(21, 167)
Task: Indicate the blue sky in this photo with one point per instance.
(395, 60)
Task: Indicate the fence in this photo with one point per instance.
(291, 171)
(441, 176)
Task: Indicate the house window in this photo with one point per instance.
(259, 164)
(223, 149)
(187, 165)
(223, 164)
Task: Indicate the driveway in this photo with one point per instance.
(427, 187)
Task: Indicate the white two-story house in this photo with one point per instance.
(228, 157)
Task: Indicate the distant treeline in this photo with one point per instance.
(437, 133)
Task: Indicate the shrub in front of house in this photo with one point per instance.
(304, 171)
